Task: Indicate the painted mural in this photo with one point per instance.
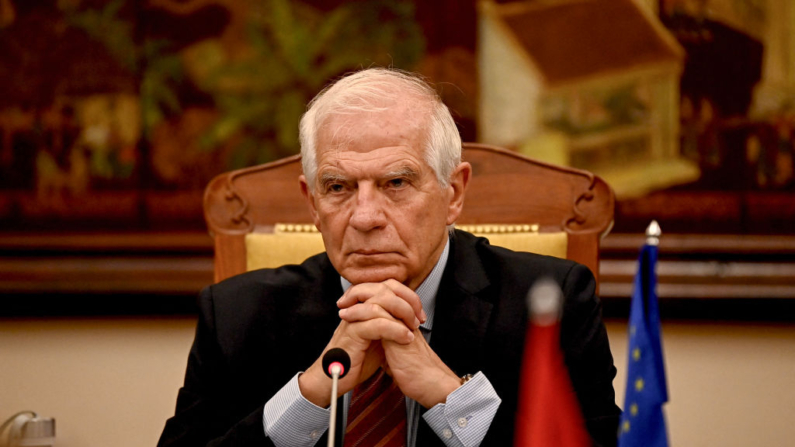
(736, 113)
(115, 114)
(685, 107)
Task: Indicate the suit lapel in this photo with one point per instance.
(461, 315)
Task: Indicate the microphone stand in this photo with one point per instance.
(335, 378)
(336, 364)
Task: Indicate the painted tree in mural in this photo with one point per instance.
(293, 50)
(270, 58)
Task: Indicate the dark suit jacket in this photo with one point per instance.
(256, 330)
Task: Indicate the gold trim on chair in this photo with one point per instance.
(499, 228)
(482, 228)
(294, 228)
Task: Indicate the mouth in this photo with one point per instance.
(371, 252)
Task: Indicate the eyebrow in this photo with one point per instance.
(404, 171)
(327, 177)
(335, 177)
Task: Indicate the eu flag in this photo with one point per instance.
(643, 423)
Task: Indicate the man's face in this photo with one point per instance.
(377, 202)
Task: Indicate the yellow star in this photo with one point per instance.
(636, 354)
(625, 426)
(633, 409)
(639, 384)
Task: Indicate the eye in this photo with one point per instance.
(397, 183)
(335, 187)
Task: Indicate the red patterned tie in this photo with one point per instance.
(377, 414)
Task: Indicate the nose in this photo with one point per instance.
(368, 212)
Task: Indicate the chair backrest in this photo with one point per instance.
(506, 188)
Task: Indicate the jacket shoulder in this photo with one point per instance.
(273, 292)
(288, 276)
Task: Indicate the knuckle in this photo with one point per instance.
(373, 308)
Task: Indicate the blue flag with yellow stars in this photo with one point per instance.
(643, 423)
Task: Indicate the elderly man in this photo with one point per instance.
(432, 319)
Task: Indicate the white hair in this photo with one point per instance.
(368, 91)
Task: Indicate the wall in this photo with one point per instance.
(729, 384)
(113, 382)
(108, 382)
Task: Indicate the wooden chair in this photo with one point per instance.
(507, 190)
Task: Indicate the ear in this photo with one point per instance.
(310, 200)
(457, 189)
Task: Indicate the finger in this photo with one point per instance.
(402, 307)
(364, 311)
(361, 293)
(409, 296)
(366, 291)
(382, 329)
(389, 303)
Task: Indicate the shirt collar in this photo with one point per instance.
(428, 289)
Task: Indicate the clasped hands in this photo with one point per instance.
(380, 329)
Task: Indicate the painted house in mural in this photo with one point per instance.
(590, 84)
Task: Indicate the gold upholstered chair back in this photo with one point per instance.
(258, 218)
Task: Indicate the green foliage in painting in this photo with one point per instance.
(296, 50)
(288, 53)
(159, 69)
(105, 25)
(159, 79)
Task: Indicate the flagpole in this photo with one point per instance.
(643, 419)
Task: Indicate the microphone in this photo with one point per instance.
(336, 364)
(336, 356)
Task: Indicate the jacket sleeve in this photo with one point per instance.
(203, 416)
(587, 355)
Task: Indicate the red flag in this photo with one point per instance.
(548, 412)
